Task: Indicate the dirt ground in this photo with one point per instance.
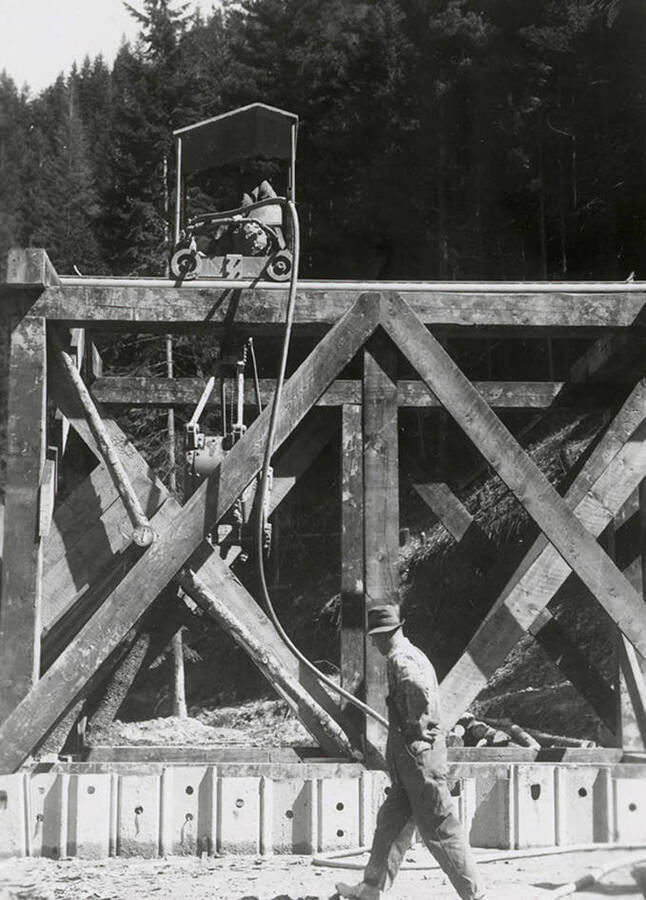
(295, 878)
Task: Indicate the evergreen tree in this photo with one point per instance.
(62, 203)
(13, 136)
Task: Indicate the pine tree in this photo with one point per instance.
(13, 137)
(62, 203)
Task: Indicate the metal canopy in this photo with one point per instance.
(252, 131)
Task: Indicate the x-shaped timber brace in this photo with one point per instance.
(75, 585)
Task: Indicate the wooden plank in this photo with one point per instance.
(299, 454)
(263, 309)
(518, 471)
(575, 665)
(633, 676)
(380, 507)
(142, 533)
(91, 527)
(610, 472)
(30, 266)
(353, 612)
(171, 392)
(68, 579)
(439, 497)
(223, 597)
(612, 357)
(68, 402)
(46, 498)
(180, 532)
(20, 608)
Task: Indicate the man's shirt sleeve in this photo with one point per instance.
(415, 698)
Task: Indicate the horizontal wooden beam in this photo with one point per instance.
(30, 266)
(263, 308)
(164, 392)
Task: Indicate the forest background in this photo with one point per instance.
(438, 139)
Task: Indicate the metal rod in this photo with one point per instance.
(172, 475)
(143, 534)
(450, 287)
(240, 366)
(178, 191)
(201, 403)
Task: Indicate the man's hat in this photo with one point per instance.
(384, 618)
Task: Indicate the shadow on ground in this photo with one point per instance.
(282, 897)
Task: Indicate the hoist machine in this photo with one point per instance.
(251, 241)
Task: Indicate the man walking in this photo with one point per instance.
(417, 764)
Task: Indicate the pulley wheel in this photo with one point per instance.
(279, 267)
(185, 264)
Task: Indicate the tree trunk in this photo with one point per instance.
(541, 208)
(119, 685)
(178, 688)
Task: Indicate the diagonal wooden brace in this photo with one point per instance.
(143, 534)
(518, 471)
(543, 570)
(180, 532)
(545, 629)
(212, 591)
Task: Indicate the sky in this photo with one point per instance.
(41, 38)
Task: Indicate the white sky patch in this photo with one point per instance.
(39, 39)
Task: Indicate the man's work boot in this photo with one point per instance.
(361, 891)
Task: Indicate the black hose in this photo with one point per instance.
(264, 481)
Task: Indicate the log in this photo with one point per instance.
(268, 664)
(142, 534)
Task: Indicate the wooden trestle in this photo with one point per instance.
(74, 586)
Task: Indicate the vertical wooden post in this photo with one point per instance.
(352, 594)
(178, 688)
(381, 506)
(22, 554)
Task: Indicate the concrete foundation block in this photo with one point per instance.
(535, 808)
(463, 794)
(373, 792)
(47, 815)
(138, 808)
(488, 808)
(294, 816)
(339, 813)
(630, 810)
(582, 807)
(238, 815)
(13, 820)
(90, 799)
(187, 810)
